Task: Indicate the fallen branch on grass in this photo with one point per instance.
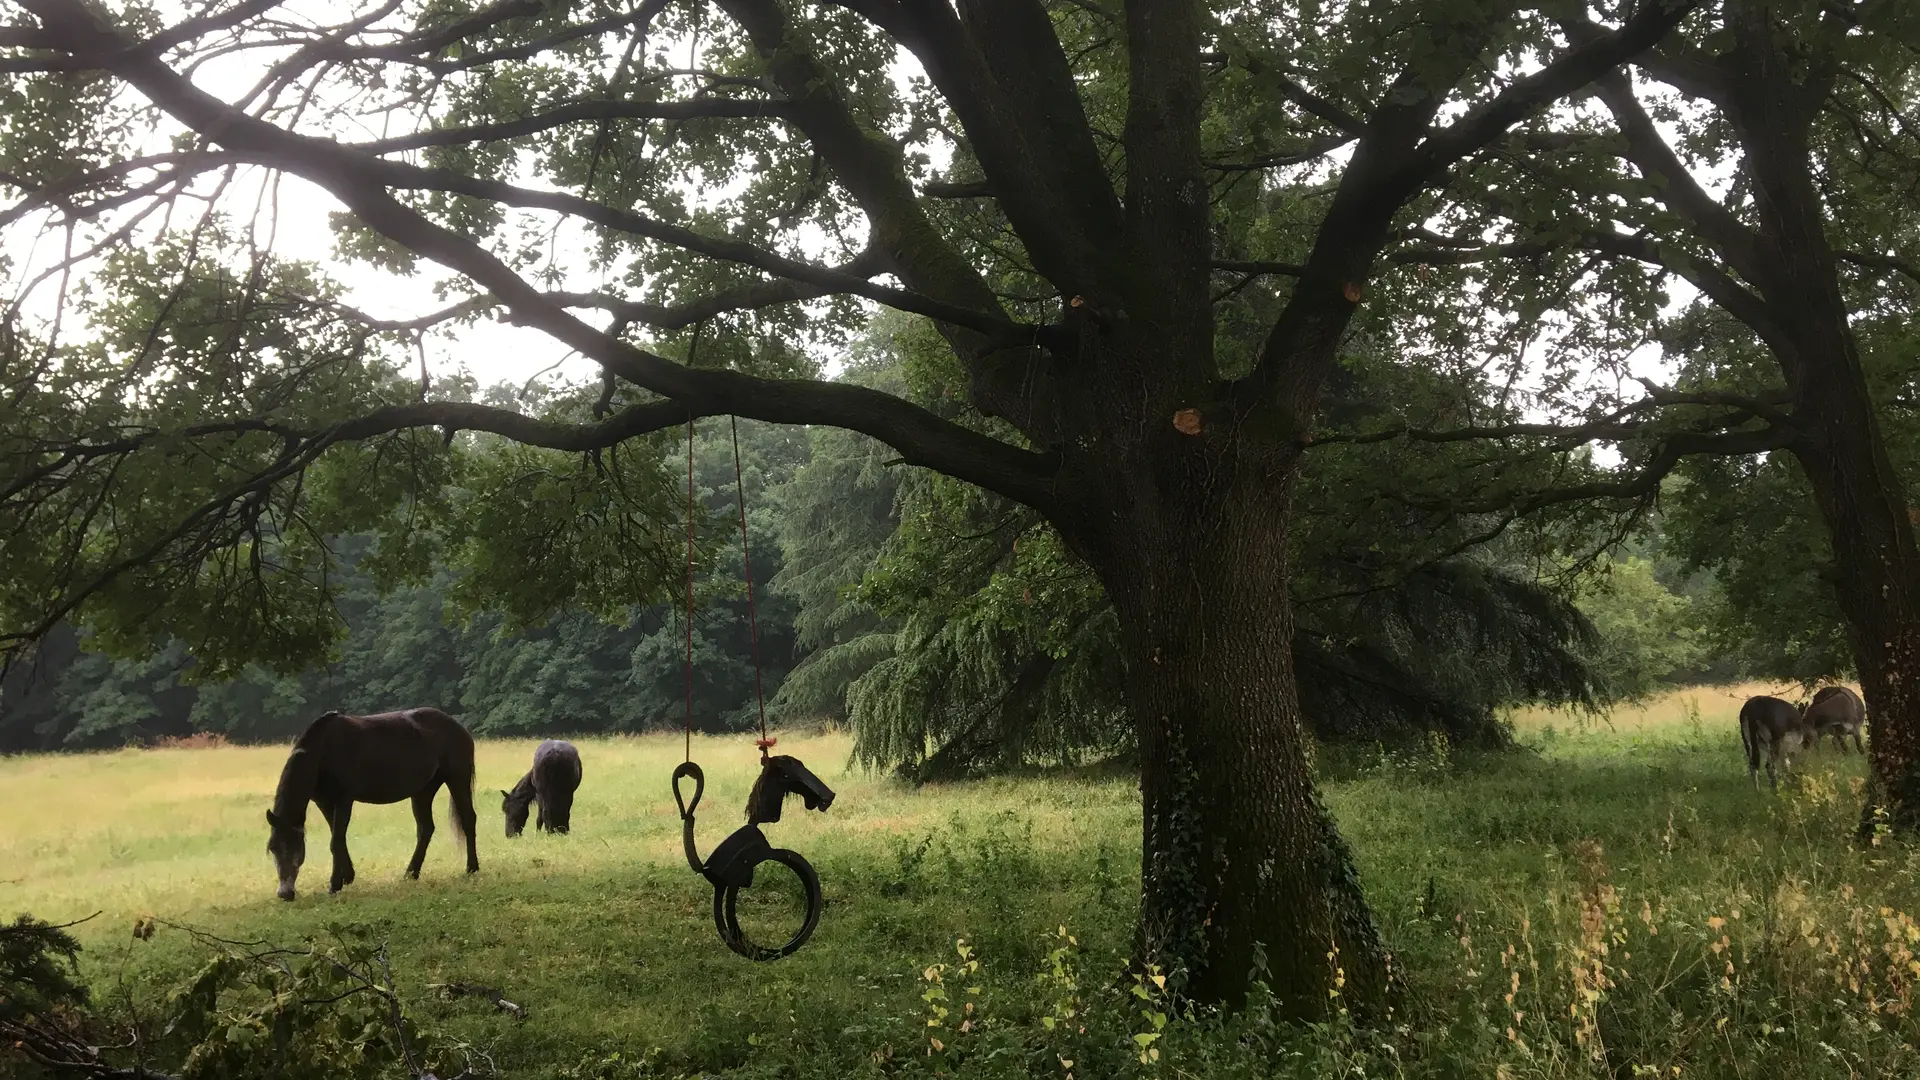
(460, 990)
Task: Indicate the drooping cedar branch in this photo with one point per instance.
(358, 181)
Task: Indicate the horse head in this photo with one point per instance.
(515, 807)
(287, 843)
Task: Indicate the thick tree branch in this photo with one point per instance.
(1027, 128)
(1316, 105)
(1313, 151)
(921, 437)
(1010, 383)
(210, 23)
(1586, 62)
(1645, 480)
(478, 22)
(994, 330)
(1682, 68)
(1260, 268)
(1613, 427)
(1719, 286)
(1674, 185)
(946, 189)
(1738, 300)
(413, 49)
(26, 37)
(1167, 214)
(1884, 263)
(576, 112)
(760, 294)
(1388, 169)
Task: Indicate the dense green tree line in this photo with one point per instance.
(576, 672)
(950, 631)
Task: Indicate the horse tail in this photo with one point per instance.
(1750, 739)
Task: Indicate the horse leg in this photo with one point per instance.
(461, 796)
(540, 812)
(338, 815)
(422, 828)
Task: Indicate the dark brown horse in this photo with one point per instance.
(384, 758)
(550, 785)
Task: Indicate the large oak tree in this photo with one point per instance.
(1074, 281)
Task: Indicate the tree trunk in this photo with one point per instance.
(1877, 580)
(1876, 573)
(1838, 442)
(1239, 857)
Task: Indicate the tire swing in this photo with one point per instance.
(730, 868)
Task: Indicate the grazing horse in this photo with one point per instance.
(384, 758)
(1839, 712)
(1775, 726)
(551, 782)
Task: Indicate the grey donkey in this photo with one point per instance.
(1774, 727)
(1839, 712)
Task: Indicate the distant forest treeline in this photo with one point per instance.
(904, 605)
(577, 674)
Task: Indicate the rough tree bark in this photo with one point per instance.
(1239, 852)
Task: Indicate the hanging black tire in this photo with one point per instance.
(727, 921)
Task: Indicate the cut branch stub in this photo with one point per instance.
(1189, 422)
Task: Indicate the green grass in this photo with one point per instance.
(607, 937)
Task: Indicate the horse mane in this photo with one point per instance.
(302, 772)
(319, 727)
(524, 789)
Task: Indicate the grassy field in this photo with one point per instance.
(1618, 885)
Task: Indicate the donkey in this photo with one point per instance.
(1839, 712)
(1776, 727)
(384, 758)
(551, 782)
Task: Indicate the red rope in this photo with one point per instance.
(689, 587)
(746, 560)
